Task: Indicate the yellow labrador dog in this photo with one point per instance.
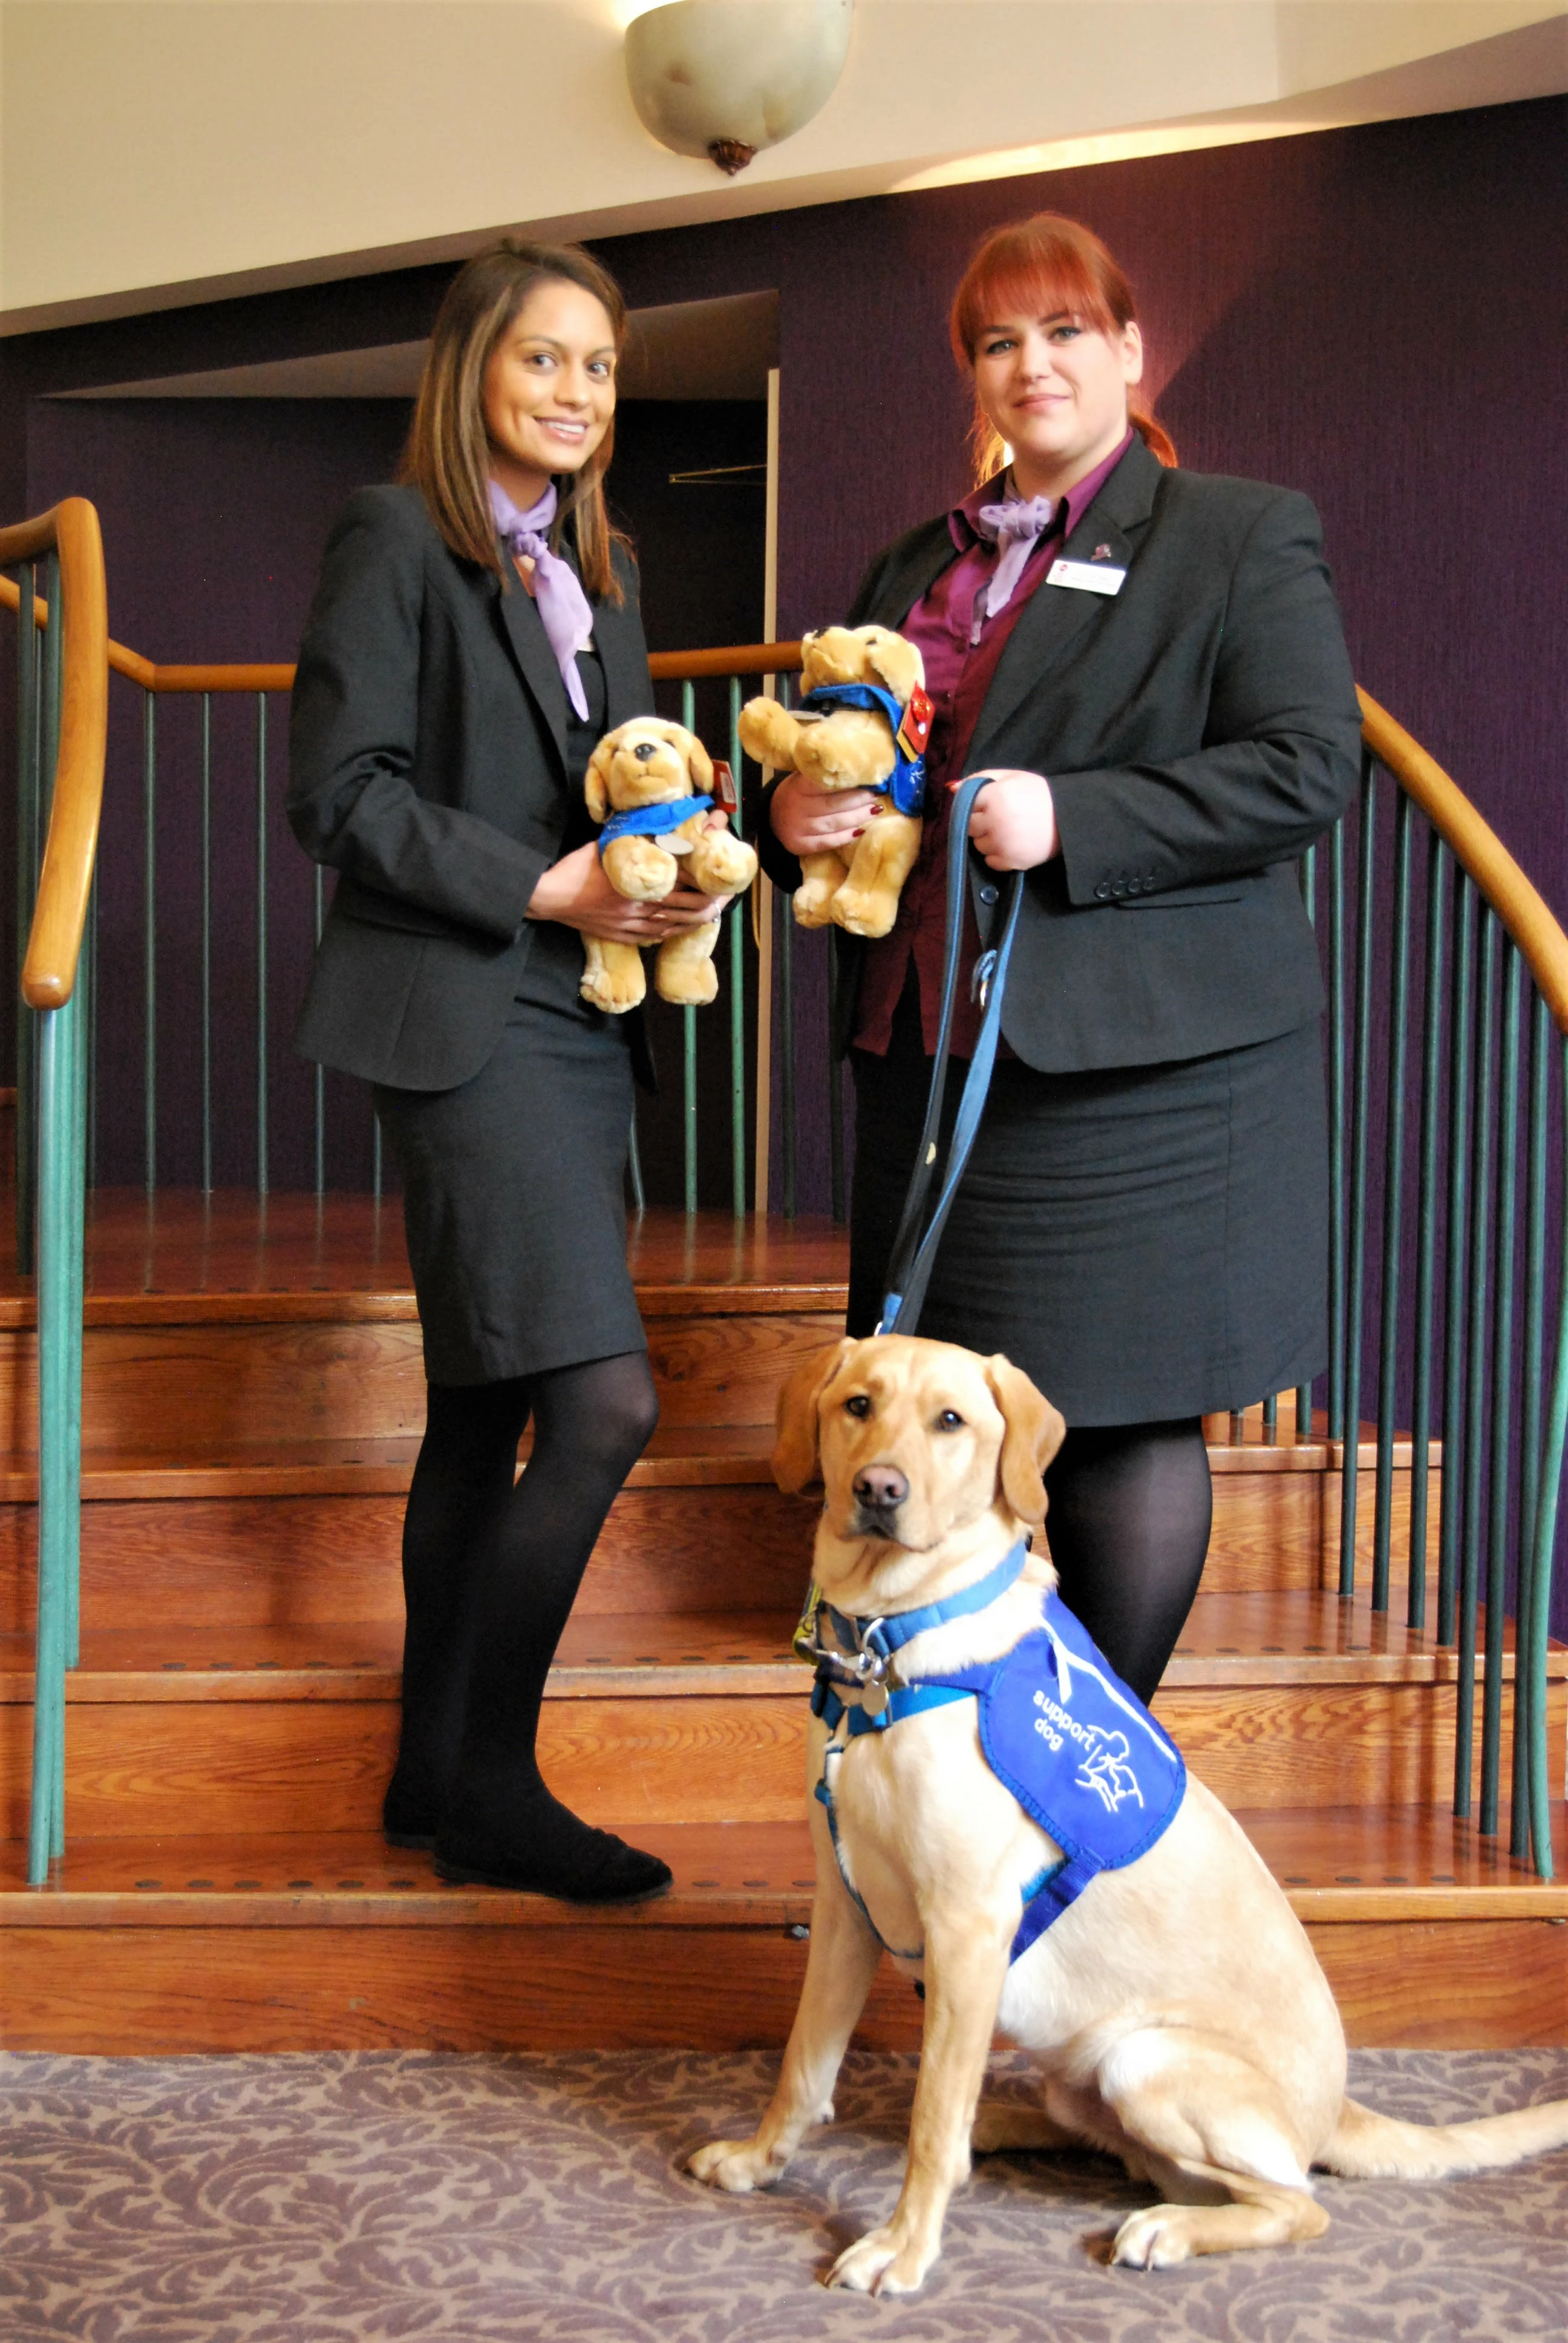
(1180, 2016)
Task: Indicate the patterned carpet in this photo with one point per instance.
(376, 2197)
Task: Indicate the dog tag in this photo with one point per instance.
(874, 1698)
(1086, 577)
(723, 792)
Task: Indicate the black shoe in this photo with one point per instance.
(561, 1856)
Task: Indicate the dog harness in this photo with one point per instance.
(911, 731)
(650, 820)
(1059, 1729)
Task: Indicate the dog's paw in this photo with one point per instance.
(1156, 2239)
(813, 904)
(882, 2262)
(862, 912)
(738, 2166)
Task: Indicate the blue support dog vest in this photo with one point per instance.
(912, 729)
(650, 820)
(1077, 1748)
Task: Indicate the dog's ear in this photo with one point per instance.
(699, 764)
(596, 780)
(1034, 1433)
(795, 1446)
(896, 663)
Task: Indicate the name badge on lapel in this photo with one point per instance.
(1087, 577)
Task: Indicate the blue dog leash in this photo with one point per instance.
(909, 1263)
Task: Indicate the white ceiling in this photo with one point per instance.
(156, 152)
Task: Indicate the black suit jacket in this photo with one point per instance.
(428, 767)
(1199, 730)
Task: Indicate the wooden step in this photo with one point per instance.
(1275, 1699)
(1430, 1935)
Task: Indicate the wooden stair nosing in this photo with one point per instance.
(728, 1875)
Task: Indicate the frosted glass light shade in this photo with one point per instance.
(725, 78)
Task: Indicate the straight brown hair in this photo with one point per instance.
(1041, 266)
(446, 457)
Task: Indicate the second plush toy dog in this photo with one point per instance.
(863, 724)
(649, 783)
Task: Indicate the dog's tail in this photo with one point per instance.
(1368, 2147)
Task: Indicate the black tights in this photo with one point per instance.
(490, 1572)
(1128, 1527)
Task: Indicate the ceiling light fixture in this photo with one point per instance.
(725, 78)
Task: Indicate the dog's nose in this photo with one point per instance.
(880, 1488)
(645, 750)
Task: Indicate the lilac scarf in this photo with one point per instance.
(1016, 527)
(558, 597)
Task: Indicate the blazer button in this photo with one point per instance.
(1102, 893)
(988, 894)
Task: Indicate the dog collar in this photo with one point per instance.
(881, 1638)
(911, 731)
(650, 820)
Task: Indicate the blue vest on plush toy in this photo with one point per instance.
(650, 820)
(911, 731)
(1077, 1748)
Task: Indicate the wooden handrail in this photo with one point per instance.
(65, 881)
(1527, 917)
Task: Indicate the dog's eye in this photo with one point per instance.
(949, 1420)
(858, 1405)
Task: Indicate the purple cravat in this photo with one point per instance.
(1017, 528)
(558, 597)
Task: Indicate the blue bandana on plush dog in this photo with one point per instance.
(912, 729)
(650, 820)
(1077, 1748)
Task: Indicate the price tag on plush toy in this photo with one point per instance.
(725, 795)
(915, 729)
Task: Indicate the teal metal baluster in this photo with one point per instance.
(150, 941)
(1308, 866)
(261, 1146)
(27, 726)
(317, 907)
(1481, 1131)
(1542, 1549)
(688, 1026)
(1272, 1419)
(1361, 1072)
(737, 987)
(1392, 1203)
(206, 942)
(1460, 1015)
(47, 1828)
(1337, 1130)
(1501, 1393)
(75, 1268)
(1426, 1231)
(1526, 1723)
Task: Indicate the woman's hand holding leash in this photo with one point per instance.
(1014, 821)
(576, 892)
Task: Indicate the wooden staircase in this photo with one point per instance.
(233, 1720)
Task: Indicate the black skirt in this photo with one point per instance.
(513, 1201)
(1146, 1243)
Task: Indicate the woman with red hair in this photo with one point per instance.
(1149, 664)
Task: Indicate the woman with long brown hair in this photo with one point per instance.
(1150, 665)
(474, 635)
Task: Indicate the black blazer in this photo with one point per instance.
(1199, 730)
(427, 766)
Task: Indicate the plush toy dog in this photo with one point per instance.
(649, 783)
(863, 724)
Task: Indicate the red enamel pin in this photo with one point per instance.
(915, 729)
